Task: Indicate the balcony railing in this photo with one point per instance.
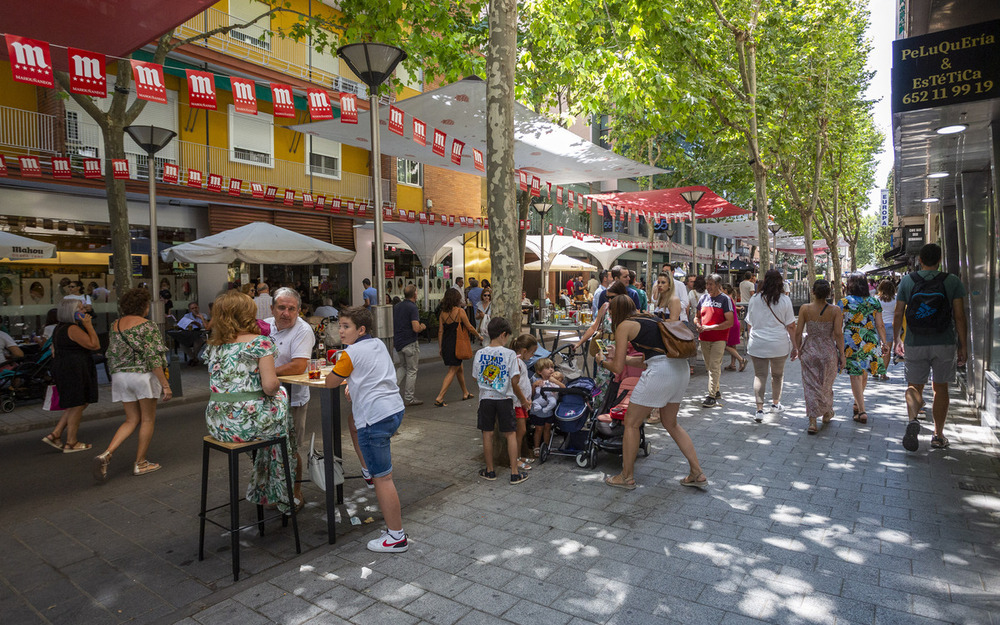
(27, 132)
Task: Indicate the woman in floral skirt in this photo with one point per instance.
(863, 332)
(247, 401)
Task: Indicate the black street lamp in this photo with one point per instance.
(373, 63)
(152, 139)
(692, 198)
(775, 229)
(542, 208)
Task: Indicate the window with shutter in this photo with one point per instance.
(251, 138)
(323, 158)
(245, 11)
(328, 61)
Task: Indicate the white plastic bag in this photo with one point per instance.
(316, 471)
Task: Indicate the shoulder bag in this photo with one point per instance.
(463, 344)
(678, 340)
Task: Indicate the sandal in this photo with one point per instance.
(861, 417)
(101, 463)
(526, 460)
(439, 404)
(743, 363)
(524, 466)
(53, 441)
(939, 442)
(144, 467)
(731, 368)
(812, 429)
(468, 396)
(487, 475)
(694, 482)
(77, 446)
(828, 417)
(619, 482)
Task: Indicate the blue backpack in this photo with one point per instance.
(928, 310)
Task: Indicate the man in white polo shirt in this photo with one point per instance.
(295, 340)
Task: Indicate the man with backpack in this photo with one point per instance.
(933, 304)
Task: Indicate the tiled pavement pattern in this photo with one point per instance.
(842, 527)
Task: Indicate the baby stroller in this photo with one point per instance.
(26, 379)
(571, 419)
(608, 427)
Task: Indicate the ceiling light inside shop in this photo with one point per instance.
(938, 174)
(929, 200)
(950, 130)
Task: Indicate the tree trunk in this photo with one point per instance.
(807, 239)
(121, 244)
(506, 252)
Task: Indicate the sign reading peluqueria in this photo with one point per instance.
(946, 67)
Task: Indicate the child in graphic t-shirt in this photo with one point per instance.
(524, 346)
(498, 374)
(367, 366)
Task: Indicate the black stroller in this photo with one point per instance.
(571, 419)
(26, 379)
(607, 434)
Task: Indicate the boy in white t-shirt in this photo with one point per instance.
(497, 372)
(367, 367)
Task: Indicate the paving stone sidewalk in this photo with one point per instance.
(842, 527)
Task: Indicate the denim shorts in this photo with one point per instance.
(374, 443)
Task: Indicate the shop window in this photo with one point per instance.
(409, 172)
(324, 158)
(251, 138)
(244, 11)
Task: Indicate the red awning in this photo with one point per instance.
(669, 202)
(111, 28)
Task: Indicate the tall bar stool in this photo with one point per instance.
(233, 451)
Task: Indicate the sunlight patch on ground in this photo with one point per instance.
(568, 547)
(950, 558)
(849, 555)
(801, 486)
(605, 535)
(815, 608)
(719, 554)
(751, 489)
(893, 536)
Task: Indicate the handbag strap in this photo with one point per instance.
(772, 311)
(121, 335)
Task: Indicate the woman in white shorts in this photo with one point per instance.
(136, 359)
(662, 385)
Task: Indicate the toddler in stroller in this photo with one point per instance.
(543, 405)
(572, 415)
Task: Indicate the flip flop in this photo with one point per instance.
(743, 365)
(439, 404)
(469, 396)
(617, 482)
(731, 368)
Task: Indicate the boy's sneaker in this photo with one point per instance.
(517, 478)
(759, 417)
(776, 408)
(487, 475)
(709, 402)
(369, 481)
(387, 544)
(718, 394)
(911, 440)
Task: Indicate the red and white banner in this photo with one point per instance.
(3, 166)
(456, 151)
(307, 200)
(477, 160)
(559, 195)
(479, 222)
(396, 118)
(284, 100)
(486, 223)
(194, 178)
(171, 173)
(149, 82)
(271, 193)
(335, 205)
(321, 202)
(244, 95)
(120, 168)
(520, 224)
(572, 199)
(451, 221)
(30, 167)
(256, 190)
(559, 230)
(536, 187)
(386, 212)
(201, 90)
(289, 198)
(440, 140)
(91, 168)
(419, 131)
(215, 183)
(522, 181)
(348, 108)
(423, 219)
(350, 207)
(319, 104)
(87, 73)
(235, 186)
(60, 168)
(462, 219)
(30, 61)
(411, 216)
(431, 218)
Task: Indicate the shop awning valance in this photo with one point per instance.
(261, 243)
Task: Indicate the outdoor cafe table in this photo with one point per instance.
(538, 329)
(330, 412)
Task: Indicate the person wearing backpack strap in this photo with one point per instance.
(932, 303)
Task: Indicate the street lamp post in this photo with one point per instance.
(152, 139)
(729, 257)
(775, 229)
(669, 232)
(373, 63)
(692, 198)
(542, 208)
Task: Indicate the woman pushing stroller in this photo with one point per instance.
(661, 385)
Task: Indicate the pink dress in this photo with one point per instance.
(734, 332)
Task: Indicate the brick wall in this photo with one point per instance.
(453, 193)
(50, 103)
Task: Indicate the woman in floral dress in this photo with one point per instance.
(863, 333)
(247, 401)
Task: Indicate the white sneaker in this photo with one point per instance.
(759, 417)
(776, 408)
(386, 544)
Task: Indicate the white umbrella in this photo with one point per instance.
(15, 247)
(261, 243)
(561, 262)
